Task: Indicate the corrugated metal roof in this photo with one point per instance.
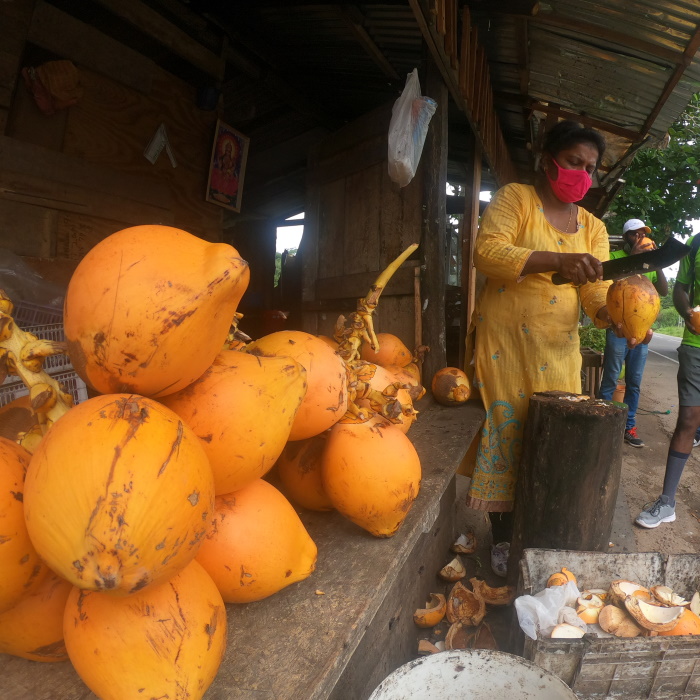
(610, 61)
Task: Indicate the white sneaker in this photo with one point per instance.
(499, 558)
(661, 511)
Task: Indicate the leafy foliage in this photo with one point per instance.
(661, 185)
(592, 337)
(278, 263)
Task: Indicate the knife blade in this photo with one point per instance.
(650, 261)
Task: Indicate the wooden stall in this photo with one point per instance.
(357, 222)
(70, 178)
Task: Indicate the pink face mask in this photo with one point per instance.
(570, 185)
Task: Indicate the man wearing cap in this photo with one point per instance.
(616, 351)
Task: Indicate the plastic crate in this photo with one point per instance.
(28, 314)
(633, 669)
(52, 331)
(70, 381)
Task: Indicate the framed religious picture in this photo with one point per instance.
(229, 154)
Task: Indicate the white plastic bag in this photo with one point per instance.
(410, 117)
(540, 612)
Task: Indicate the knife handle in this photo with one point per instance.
(558, 279)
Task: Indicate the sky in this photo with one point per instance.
(289, 236)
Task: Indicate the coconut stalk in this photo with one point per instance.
(359, 327)
(22, 354)
(356, 329)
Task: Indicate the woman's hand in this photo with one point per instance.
(604, 316)
(580, 268)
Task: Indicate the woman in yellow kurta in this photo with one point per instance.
(526, 327)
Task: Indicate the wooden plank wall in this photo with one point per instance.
(357, 222)
(70, 179)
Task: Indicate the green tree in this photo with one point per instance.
(661, 185)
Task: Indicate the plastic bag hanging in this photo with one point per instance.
(410, 117)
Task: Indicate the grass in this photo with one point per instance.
(670, 330)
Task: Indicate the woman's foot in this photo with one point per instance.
(499, 558)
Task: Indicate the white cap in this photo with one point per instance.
(635, 225)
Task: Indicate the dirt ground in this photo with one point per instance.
(643, 469)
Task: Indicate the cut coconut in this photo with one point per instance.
(426, 647)
(620, 589)
(567, 631)
(589, 600)
(453, 571)
(588, 615)
(653, 617)
(502, 595)
(484, 638)
(561, 578)
(465, 544)
(616, 621)
(666, 596)
(695, 603)
(465, 606)
(432, 613)
(459, 636)
(441, 645)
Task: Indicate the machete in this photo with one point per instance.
(650, 261)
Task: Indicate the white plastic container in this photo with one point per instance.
(472, 674)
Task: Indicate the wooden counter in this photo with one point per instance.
(300, 645)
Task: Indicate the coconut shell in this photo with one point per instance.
(656, 618)
(465, 606)
(616, 621)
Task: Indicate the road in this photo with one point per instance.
(665, 345)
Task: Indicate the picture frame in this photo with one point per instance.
(229, 155)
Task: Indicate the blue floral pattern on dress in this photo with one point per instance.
(499, 456)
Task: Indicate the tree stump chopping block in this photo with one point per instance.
(569, 475)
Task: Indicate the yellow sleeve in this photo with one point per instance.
(496, 253)
(593, 295)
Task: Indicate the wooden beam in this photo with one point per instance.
(677, 74)
(584, 119)
(624, 39)
(47, 178)
(476, 100)
(520, 8)
(432, 248)
(468, 231)
(354, 19)
(68, 37)
(355, 286)
(166, 33)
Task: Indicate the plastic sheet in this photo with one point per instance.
(539, 613)
(410, 118)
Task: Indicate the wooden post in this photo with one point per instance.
(433, 248)
(468, 230)
(569, 475)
